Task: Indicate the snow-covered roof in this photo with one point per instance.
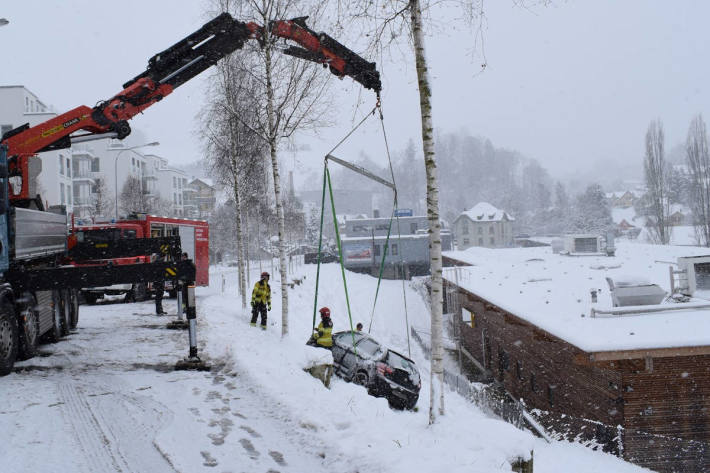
(485, 212)
(552, 291)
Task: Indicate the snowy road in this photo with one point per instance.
(106, 399)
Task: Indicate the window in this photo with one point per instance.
(368, 347)
(466, 241)
(395, 249)
(413, 228)
(61, 166)
(377, 250)
(27, 104)
(480, 230)
(533, 383)
(480, 242)
(175, 199)
(61, 194)
(491, 230)
(464, 228)
(95, 165)
(493, 241)
(503, 364)
(68, 193)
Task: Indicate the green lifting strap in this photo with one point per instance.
(382, 266)
(340, 253)
(320, 248)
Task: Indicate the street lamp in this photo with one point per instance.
(115, 168)
(4, 21)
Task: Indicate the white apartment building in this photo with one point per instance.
(71, 176)
(19, 106)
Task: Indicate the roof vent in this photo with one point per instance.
(635, 291)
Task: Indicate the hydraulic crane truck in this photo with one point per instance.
(40, 270)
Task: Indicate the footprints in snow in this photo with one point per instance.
(221, 420)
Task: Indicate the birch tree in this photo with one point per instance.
(698, 159)
(291, 99)
(656, 172)
(234, 151)
(392, 20)
(101, 200)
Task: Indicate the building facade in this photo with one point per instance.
(88, 178)
(483, 225)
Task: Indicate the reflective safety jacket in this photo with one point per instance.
(261, 293)
(324, 334)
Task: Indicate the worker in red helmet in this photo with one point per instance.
(323, 335)
(261, 300)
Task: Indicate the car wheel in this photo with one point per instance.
(361, 378)
(8, 337)
(411, 402)
(29, 331)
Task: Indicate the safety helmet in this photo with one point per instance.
(264, 275)
(324, 312)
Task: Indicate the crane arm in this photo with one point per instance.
(166, 71)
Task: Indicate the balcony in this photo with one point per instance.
(83, 175)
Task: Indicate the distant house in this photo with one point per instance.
(199, 198)
(622, 200)
(484, 225)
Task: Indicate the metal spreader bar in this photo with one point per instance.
(360, 170)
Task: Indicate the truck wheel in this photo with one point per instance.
(74, 308)
(55, 333)
(66, 311)
(29, 329)
(8, 337)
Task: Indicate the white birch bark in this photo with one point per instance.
(240, 234)
(272, 138)
(437, 351)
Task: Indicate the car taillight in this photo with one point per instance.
(383, 369)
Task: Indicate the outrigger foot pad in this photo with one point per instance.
(178, 325)
(193, 364)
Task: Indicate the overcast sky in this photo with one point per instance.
(569, 85)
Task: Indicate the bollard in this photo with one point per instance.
(192, 362)
(223, 283)
(192, 320)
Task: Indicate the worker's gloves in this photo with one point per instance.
(253, 304)
(269, 307)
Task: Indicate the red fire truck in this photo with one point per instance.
(194, 239)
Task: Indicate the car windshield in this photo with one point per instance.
(397, 361)
(346, 338)
(369, 348)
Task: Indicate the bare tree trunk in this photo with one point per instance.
(240, 236)
(437, 350)
(698, 159)
(283, 268)
(657, 182)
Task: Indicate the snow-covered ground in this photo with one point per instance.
(106, 398)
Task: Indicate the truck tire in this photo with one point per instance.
(74, 308)
(8, 337)
(55, 333)
(29, 328)
(66, 311)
